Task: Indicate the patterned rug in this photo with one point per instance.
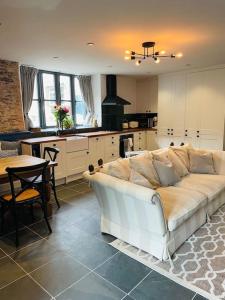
(199, 264)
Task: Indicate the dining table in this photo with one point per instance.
(25, 161)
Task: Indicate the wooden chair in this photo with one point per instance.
(51, 154)
(27, 194)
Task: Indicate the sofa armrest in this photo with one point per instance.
(219, 161)
(128, 204)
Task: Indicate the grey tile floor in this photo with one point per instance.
(75, 261)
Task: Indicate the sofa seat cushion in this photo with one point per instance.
(207, 184)
(179, 204)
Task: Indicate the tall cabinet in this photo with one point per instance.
(191, 108)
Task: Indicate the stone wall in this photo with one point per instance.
(11, 113)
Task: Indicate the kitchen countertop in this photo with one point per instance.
(85, 134)
(103, 133)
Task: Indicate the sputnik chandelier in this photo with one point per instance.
(149, 52)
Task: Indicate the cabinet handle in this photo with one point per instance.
(168, 133)
(185, 130)
(197, 131)
(54, 145)
(139, 148)
(168, 129)
(171, 129)
(112, 137)
(171, 133)
(197, 136)
(87, 152)
(185, 134)
(112, 142)
(96, 139)
(112, 154)
(139, 138)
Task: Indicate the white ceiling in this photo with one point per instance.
(34, 31)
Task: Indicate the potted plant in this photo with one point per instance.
(60, 113)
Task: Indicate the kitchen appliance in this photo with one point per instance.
(126, 144)
(112, 106)
(133, 124)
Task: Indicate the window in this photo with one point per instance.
(53, 88)
(80, 104)
(34, 114)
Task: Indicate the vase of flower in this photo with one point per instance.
(60, 113)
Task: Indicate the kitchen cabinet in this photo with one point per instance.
(151, 140)
(60, 170)
(139, 141)
(111, 148)
(96, 150)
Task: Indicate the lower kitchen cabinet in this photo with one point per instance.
(76, 162)
(139, 141)
(60, 170)
(151, 140)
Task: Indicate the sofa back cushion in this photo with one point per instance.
(182, 153)
(143, 164)
(168, 156)
(201, 161)
(118, 168)
(166, 173)
(139, 179)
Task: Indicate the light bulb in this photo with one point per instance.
(127, 57)
(179, 55)
(138, 62)
(127, 52)
(162, 52)
(157, 60)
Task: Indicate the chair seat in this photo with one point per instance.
(26, 195)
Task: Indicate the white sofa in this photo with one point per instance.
(159, 221)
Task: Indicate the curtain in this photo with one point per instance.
(86, 90)
(27, 77)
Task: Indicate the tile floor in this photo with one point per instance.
(76, 261)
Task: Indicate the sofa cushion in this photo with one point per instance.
(118, 168)
(139, 179)
(7, 153)
(182, 153)
(143, 164)
(166, 173)
(201, 161)
(207, 184)
(179, 204)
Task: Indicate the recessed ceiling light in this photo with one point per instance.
(55, 57)
(90, 44)
(188, 65)
(109, 66)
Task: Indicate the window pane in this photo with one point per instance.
(68, 104)
(49, 86)
(65, 87)
(78, 94)
(34, 114)
(49, 117)
(80, 113)
(35, 94)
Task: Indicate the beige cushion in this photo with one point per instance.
(201, 162)
(207, 184)
(118, 168)
(179, 204)
(167, 155)
(166, 173)
(139, 179)
(143, 165)
(182, 153)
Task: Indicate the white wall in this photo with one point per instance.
(147, 95)
(126, 89)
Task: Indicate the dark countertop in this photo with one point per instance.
(104, 133)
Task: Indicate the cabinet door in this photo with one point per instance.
(151, 140)
(178, 106)
(96, 150)
(76, 162)
(60, 169)
(139, 141)
(165, 103)
(195, 92)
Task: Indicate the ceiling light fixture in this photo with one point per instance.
(155, 55)
(90, 44)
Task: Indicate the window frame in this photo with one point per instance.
(58, 100)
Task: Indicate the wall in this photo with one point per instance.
(126, 88)
(10, 97)
(147, 95)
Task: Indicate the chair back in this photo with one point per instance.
(51, 152)
(23, 174)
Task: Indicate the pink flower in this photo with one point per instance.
(65, 109)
